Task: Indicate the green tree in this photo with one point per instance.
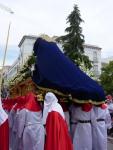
(73, 41)
(88, 71)
(106, 78)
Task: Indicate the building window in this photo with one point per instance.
(95, 68)
(95, 56)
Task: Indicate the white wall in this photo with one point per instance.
(95, 56)
(11, 72)
(26, 49)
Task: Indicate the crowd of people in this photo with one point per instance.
(109, 101)
(28, 124)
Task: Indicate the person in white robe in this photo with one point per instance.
(11, 123)
(109, 101)
(19, 106)
(81, 130)
(65, 108)
(101, 121)
(57, 134)
(31, 129)
(14, 114)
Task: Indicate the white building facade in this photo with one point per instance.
(94, 54)
(26, 47)
(12, 71)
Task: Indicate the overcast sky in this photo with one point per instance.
(33, 17)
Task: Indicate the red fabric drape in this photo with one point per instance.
(4, 136)
(87, 107)
(57, 136)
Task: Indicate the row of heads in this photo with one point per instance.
(31, 102)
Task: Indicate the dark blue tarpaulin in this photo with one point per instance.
(55, 71)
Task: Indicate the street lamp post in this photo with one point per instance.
(5, 50)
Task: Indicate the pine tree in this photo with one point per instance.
(73, 41)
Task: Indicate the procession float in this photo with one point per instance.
(48, 69)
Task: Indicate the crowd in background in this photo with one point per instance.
(109, 101)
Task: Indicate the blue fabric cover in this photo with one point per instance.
(54, 70)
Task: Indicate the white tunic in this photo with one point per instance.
(67, 117)
(82, 133)
(14, 130)
(99, 128)
(11, 118)
(31, 130)
(110, 107)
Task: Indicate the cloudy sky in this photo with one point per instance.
(33, 17)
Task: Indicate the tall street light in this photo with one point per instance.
(7, 9)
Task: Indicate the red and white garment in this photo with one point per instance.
(30, 128)
(57, 135)
(4, 129)
(15, 125)
(64, 106)
(81, 126)
(101, 120)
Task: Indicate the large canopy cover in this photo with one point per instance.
(54, 70)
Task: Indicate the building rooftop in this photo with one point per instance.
(92, 46)
(28, 37)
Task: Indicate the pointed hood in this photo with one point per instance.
(32, 104)
(64, 106)
(51, 104)
(87, 107)
(103, 106)
(8, 104)
(21, 101)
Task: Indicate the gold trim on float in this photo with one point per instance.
(87, 101)
(71, 99)
(52, 90)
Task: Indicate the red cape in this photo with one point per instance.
(4, 136)
(57, 135)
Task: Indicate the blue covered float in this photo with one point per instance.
(53, 70)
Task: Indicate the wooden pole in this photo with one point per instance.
(7, 40)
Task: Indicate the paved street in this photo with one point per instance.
(110, 143)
